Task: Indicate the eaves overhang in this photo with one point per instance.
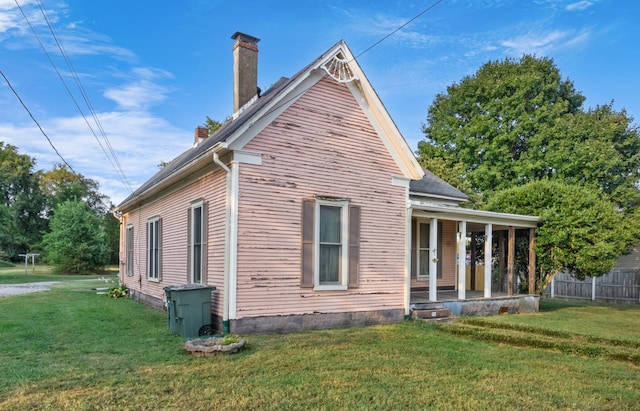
(500, 220)
(177, 175)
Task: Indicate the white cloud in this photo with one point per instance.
(141, 141)
(542, 43)
(141, 91)
(9, 19)
(580, 5)
(137, 95)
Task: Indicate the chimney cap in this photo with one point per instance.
(239, 36)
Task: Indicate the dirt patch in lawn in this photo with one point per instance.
(7, 290)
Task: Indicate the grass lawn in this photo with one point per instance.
(71, 348)
(16, 274)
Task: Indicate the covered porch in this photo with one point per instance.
(466, 260)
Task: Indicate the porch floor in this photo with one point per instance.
(475, 303)
(419, 297)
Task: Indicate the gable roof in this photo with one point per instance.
(257, 114)
(433, 186)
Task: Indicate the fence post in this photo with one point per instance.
(593, 288)
(553, 287)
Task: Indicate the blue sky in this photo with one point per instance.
(153, 70)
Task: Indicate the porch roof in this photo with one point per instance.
(476, 219)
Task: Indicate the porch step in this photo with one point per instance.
(433, 315)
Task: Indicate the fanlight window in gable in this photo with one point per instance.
(338, 68)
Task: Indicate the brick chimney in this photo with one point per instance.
(245, 69)
(201, 133)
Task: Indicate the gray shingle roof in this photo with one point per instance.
(224, 132)
(434, 185)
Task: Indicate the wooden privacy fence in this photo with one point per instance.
(617, 285)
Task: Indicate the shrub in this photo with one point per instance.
(118, 292)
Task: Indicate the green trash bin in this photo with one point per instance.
(188, 308)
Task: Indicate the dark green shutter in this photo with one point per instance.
(354, 246)
(159, 249)
(308, 210)
(205, 240)
(189, 245)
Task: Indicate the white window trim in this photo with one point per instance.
(344, 258)
(421, 277)
(129, 250)
(149, 262)
(192, 242)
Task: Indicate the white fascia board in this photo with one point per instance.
(400, 181)
(474, 216)
(247, 157)
(455, 200)
(364, 94)
(382, 122)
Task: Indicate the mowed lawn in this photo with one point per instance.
(71, 348)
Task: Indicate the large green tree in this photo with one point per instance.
(60, 184)
(518, 123)
(580, 232)
(21, 219)
(77, 242)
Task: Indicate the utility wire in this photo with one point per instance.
(40, 127)
(117, 167)
(400, 28)
(115, 163)
(417, 16)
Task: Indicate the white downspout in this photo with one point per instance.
(227, 234)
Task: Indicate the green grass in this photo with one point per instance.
(16, 274)
(71, 348)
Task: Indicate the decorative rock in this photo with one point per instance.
(206, 347)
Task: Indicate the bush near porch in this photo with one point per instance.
(71, 348)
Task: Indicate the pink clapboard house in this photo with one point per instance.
(307, 209)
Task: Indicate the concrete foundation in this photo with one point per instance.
(292, 323)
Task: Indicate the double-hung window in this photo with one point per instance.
(154, 249)
(331, 236)
(197, 241)
(330, 244)
(128, 261)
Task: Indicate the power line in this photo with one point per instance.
(40, 127)
(417, 16)
(116, 166)
(400, 28)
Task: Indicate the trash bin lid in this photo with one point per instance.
(187, 287)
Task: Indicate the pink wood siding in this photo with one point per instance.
(448, 261)
(321, 145)
(173, 211)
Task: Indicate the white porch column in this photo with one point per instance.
(433, 260)
(462, 259)
(488, 246)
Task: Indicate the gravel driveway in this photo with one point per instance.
(17, 289)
